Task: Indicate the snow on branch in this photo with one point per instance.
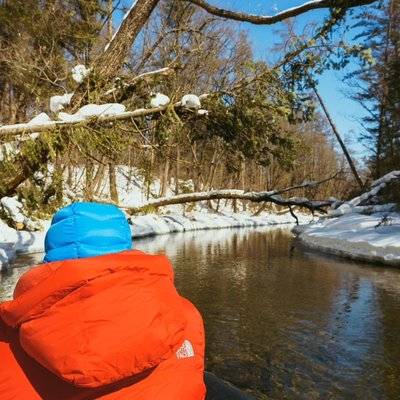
(82, 119)
(272, 19)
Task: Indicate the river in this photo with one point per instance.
(283, 322)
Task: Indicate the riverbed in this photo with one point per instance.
(283, 322)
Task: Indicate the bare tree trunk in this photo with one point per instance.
(89, 180)
(98, 179)
(211, 172)
(243, 180)
(149, 174)
(58, 184)
(110, 62)
(177, 169)
(339, 139)
(110, 19)
(69, 175)
(164, 179)
(113, 183)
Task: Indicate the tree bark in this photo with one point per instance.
(89, 173)
(234, 195)
(272, 19)
(165, 177)
(177, 169)
(339, 139)
(107, 66)
(113, 183)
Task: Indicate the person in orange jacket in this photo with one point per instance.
(98, 320)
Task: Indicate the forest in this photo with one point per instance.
(262, 127)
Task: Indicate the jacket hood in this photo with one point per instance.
(87, 229)
(98, 320)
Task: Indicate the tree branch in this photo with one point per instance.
(272, 19)
(166, 71)
(18, 129)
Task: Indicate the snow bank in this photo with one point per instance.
(14, 242)
(149, 225)
(356, 236)
(14, 210)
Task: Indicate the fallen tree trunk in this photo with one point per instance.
(273, 196)
(339, 138)
(107, 66)
(360, 203)
(232, 194)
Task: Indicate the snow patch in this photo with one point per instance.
(13, 208)
(93, 110)
(57, 103)
(42, 118)
(191, 101)
(79, 73)
(159, 100)
(150, 225)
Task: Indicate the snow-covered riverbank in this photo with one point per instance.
(373, 238)
(13, 242)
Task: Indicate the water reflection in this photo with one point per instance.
(285, 323)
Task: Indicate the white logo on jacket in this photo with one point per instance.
(185, 351)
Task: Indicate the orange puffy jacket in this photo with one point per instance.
(107, 327)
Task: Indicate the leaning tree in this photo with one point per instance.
(105, 68)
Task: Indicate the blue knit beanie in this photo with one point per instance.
(87, 229)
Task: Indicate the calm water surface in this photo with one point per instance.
(281, 322)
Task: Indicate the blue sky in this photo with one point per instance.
(344, 111)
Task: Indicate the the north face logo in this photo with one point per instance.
(185, 351)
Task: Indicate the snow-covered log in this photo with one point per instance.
(256, 197)
(271, 196)
(353, 205)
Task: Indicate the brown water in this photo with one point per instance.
(284, 323)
